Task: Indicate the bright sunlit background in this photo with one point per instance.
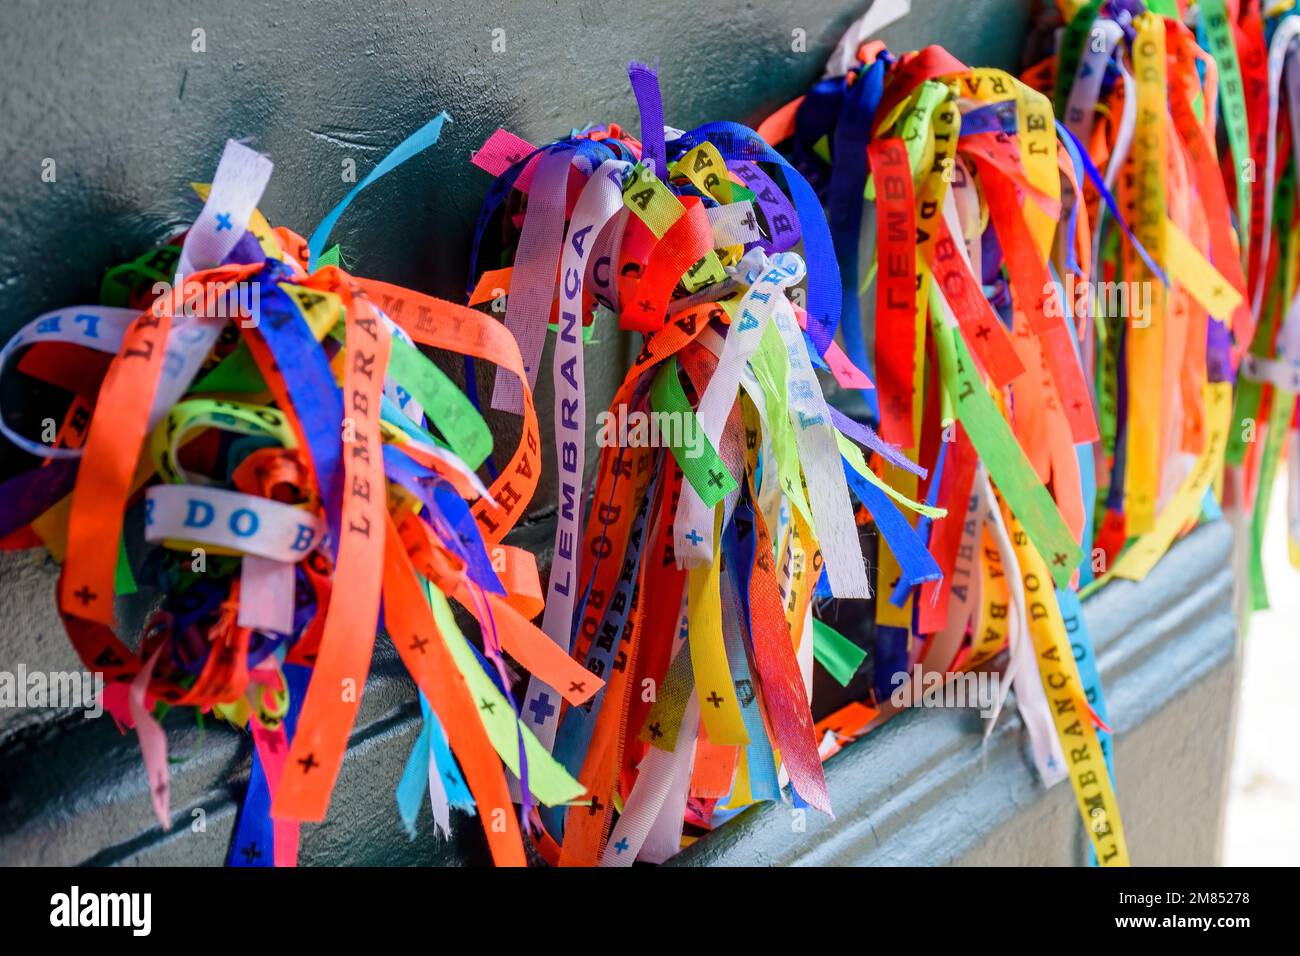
(1263, 825)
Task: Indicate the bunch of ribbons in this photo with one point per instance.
(1066, 274)
(1174, 110)
(271, 426)
(722, 499)
(1050, 355)
(691, 579)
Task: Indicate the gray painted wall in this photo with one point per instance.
(131, 115)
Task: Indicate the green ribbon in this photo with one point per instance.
(455, 416)
(989, 432)
(705, 471)
(547, 778)
(1071, 52)
(835, 652)
(1218, 30)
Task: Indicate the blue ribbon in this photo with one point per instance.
(759, 758)
(848, 181)
(254, 841)
(316, 398)
(915, 563)
(413, 145)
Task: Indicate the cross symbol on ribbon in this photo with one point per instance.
(542, 707)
